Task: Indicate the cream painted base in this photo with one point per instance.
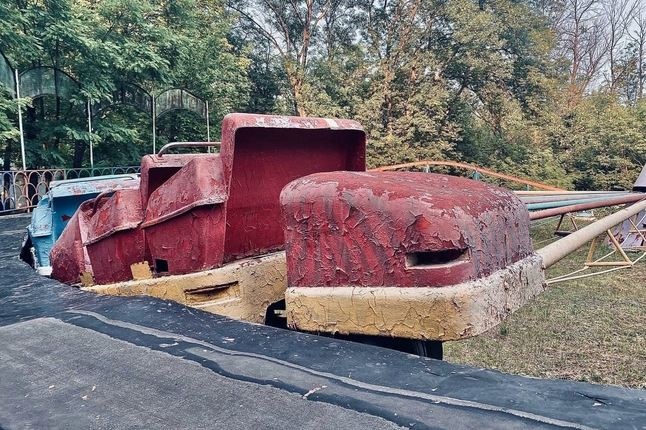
(444, 313)
(241, 290)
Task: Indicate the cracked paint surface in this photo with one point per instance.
(68, 256)
(249, 286)
(185, 225)
(368, 229)
(263, 153)
(448, 313)
(115, 240)
(199, 211)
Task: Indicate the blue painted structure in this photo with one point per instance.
(53, 211)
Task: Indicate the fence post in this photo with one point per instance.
(89, 129)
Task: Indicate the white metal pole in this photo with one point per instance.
(89, 129)
(154, 126)
(208, 126)
(22, 134)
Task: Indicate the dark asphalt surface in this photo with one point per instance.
(71, 359)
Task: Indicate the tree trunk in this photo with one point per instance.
(7, 155)
(79, 154)
(296, 81)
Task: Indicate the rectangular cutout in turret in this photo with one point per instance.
(439, 258)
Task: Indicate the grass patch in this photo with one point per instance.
(591, 329)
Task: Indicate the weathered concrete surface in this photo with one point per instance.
(97, 381)
(241, 290)
(434, 313)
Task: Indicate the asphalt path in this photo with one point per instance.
(71, 359)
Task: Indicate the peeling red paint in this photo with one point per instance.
(261, 154)
(185, 225)
(68, 256)
(202, 210)
(156, 170)
(115, 241)
(399, 229)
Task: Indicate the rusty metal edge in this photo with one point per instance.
(182, 210)
(470, 167)
(123, 227)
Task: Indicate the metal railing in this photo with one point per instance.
(20, 190)
(173, 145)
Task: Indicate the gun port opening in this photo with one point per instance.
(440, 258)
(206, 294)
(161, 266)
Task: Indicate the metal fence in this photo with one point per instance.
(20, 190)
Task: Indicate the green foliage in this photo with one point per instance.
(102, 44)
(482, 81)
(603, 143)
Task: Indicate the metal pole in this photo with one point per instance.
(22, 134)
(482, 170)
(561, 198)
(558, 250)
(172, 145)
(89, 129)
(208, 126)
(593, 204)
(561, 193)
(154, 126)
(562, 203)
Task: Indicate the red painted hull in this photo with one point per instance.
(197, 211)
(261, 154)
(115, 241)
(399, 230)
(185, 218)
(155, 170)
(68, 255)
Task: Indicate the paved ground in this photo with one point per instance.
(70, 359)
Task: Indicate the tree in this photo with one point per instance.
(584, 43)
(605, 143)
(618, 18)
(293, 29)
(634, 59)
(106, 43)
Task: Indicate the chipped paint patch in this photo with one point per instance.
(447, 313)
(241, 290)
(399, 229)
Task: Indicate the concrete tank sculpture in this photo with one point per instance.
(409, 255)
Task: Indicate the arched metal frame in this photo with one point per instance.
(59, 81)
(127, 94)
(7, 74)
(177, 98)
(180, 98)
